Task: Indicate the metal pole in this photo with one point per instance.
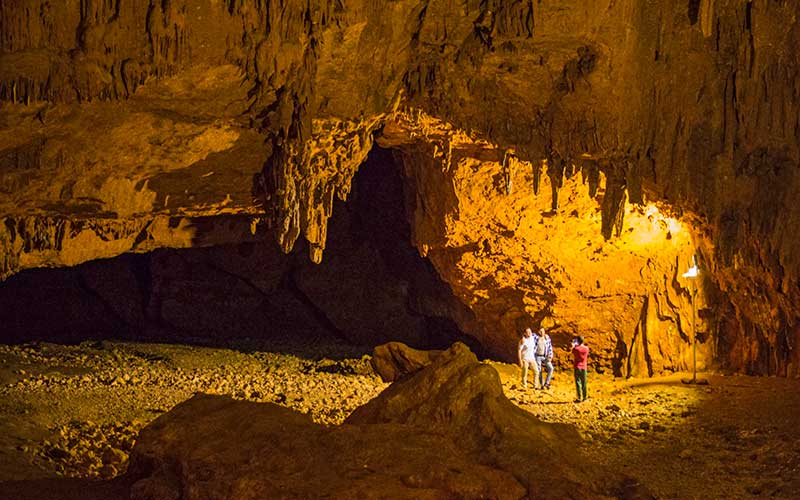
(694, 336)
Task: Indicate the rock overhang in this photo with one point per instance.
(693, 107)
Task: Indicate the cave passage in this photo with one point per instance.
(371, 288)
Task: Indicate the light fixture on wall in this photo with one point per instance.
(691, 274)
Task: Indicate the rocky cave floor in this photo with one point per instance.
(75, 411)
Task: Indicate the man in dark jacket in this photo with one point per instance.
(544, 357)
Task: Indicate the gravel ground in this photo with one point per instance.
(75, 411)
(733, 438)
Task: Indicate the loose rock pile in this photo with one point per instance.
(94, 398)
(86, 449)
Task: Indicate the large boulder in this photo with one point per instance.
(212, 447)
(393, 360)
(462, 398)
(445, 432)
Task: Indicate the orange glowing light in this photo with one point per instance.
(651, 226)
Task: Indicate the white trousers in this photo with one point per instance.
(525, 366)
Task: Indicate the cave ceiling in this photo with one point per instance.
(564, 159)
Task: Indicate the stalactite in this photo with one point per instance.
(536, 167)
(576, 70)
(555, 171)
(633, 181)
(591, 175)
(515, 19)
(613, 208)
(508, 170)
(707, 17)
(167, 29)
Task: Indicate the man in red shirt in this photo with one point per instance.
(580, 353)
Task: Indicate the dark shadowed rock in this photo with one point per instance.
(216, 448)
(393, 360)
(446, 431)
(459, 397)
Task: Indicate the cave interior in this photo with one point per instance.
(322, 178)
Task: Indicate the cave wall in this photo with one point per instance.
(490, 229)
(373, 287)
(218, 295)
(695, 105)
(170, 167)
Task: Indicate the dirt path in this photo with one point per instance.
(733, 438)
(74, 411)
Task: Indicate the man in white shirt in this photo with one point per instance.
(527, 357)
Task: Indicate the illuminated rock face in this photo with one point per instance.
(149, 124)
(492, 233)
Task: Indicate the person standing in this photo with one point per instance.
(544, 357)
(580, 354)
(527, 357)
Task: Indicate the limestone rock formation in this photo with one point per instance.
(516, 262)
(371, 288)
(394, 360)
(172, 166)
(176, 123)
(463, 399)
(446, 431)
(212, 447)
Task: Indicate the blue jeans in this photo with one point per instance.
(543, 361)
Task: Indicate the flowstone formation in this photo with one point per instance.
(175, 123)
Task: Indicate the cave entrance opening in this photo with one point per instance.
(395, 293)
(371, 287)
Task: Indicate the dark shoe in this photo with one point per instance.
(577, 401)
